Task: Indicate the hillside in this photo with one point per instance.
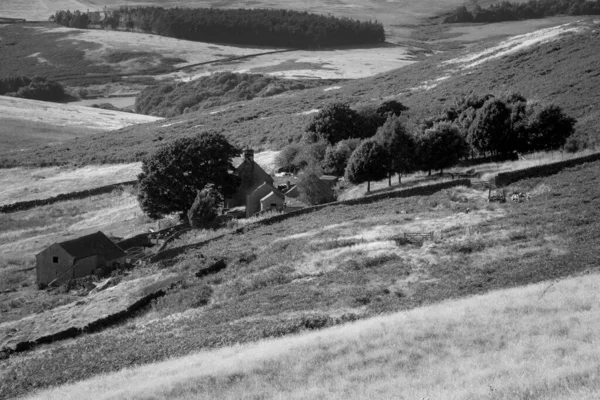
(548, 65)
(540, 341)
(29, 123)
(303, 274)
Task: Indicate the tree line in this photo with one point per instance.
(508, 11)
(265, 27)
(36, 88)
(374, 143)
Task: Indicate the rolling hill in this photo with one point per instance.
(555, 64)
(303, 273)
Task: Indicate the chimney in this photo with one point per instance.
(288, 185)
(249, 155)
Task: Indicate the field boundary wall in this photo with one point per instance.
(415, 191)
(82, 194)
(506, 178)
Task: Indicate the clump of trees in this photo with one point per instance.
(36, 88)
(342, 141)
(171, 99)
(509, 11)
(267, 27)
(190, 174)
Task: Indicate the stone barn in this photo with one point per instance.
(76, 258)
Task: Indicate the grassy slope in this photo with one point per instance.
(347, 269)
(536, 342)
(562, 71)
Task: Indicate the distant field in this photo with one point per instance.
(398, 17)
(40, 10)
(20, 134)
(21, 184)
(536, 342)
(25, 123)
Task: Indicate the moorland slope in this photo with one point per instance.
(299, 274)
(538, 342)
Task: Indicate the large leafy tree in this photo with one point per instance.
(550, 127)
(367, 163)
(399, 145)
(333, 123)
(440, 147)
(172, 176)
(490, 130)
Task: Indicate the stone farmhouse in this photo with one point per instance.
(256, 191)
(86, 255)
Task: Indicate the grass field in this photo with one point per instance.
(305, 273)
(536, 342)
(30, 123)
(22, 184)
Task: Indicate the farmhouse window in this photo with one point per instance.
(55, 260)
(273, 205)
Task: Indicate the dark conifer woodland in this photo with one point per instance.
(264, 27)
(532, 9)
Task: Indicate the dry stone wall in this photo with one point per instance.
(26, 205)
(506, 178)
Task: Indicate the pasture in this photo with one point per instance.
(28, 123)
(22, 184)
(304, 273)
(538, 341)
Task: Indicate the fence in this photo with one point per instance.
(418, 237)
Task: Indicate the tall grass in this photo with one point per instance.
(537, 342)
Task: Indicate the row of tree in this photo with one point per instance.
(508, 11)
(341, 141)
(265, 27)
(36, 88)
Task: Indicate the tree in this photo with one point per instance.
(333, 123)
(399, 145)
(313, 190)
(287, 159)
(203, 212)
(172, 176)
(550, 127)
(391, 107)
(440, 146)
(336, 157)
(490, 130)
(367, 163)
(370, 120)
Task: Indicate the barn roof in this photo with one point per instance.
(96, 244)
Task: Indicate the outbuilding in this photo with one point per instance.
(86, 255)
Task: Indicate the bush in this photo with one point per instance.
(203, 212)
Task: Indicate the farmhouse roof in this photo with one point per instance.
(95, 244)
(272, 194)
(329, 178)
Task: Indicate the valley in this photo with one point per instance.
(426, 288)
